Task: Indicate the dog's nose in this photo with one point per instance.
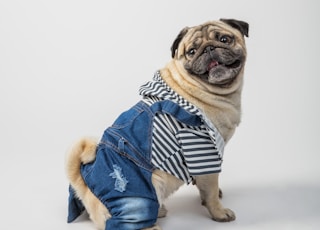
(209, 49)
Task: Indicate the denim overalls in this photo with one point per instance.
(121, 174)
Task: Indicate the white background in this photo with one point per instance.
(68, 68)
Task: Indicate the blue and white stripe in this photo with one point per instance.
(181, 150)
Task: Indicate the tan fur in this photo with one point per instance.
(221, 105)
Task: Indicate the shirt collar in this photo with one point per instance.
(158, 88)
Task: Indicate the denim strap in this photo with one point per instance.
(177, 112)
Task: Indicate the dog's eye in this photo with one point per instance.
(191, 52)
(226, 39)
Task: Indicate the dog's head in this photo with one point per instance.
(213, 52)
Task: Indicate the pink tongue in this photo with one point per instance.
(213, 64)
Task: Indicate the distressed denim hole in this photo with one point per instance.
(121, 182)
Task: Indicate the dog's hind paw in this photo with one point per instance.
(162, 211)
(154, 227)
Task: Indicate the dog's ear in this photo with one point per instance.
(242, 26)
(177, 41)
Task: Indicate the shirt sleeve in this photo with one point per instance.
(200, 153)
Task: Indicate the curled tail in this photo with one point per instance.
(81, 197)
(83, 152)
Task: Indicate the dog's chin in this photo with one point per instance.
(220, 75)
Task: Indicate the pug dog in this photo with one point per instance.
(176, 134)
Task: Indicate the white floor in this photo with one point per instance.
(34, 195)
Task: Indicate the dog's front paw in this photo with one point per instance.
(223, 215)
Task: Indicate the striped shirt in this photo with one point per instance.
(181, 150)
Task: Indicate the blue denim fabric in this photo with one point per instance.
(121, 174)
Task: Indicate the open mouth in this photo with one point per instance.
(221, 74)
(215, 63)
